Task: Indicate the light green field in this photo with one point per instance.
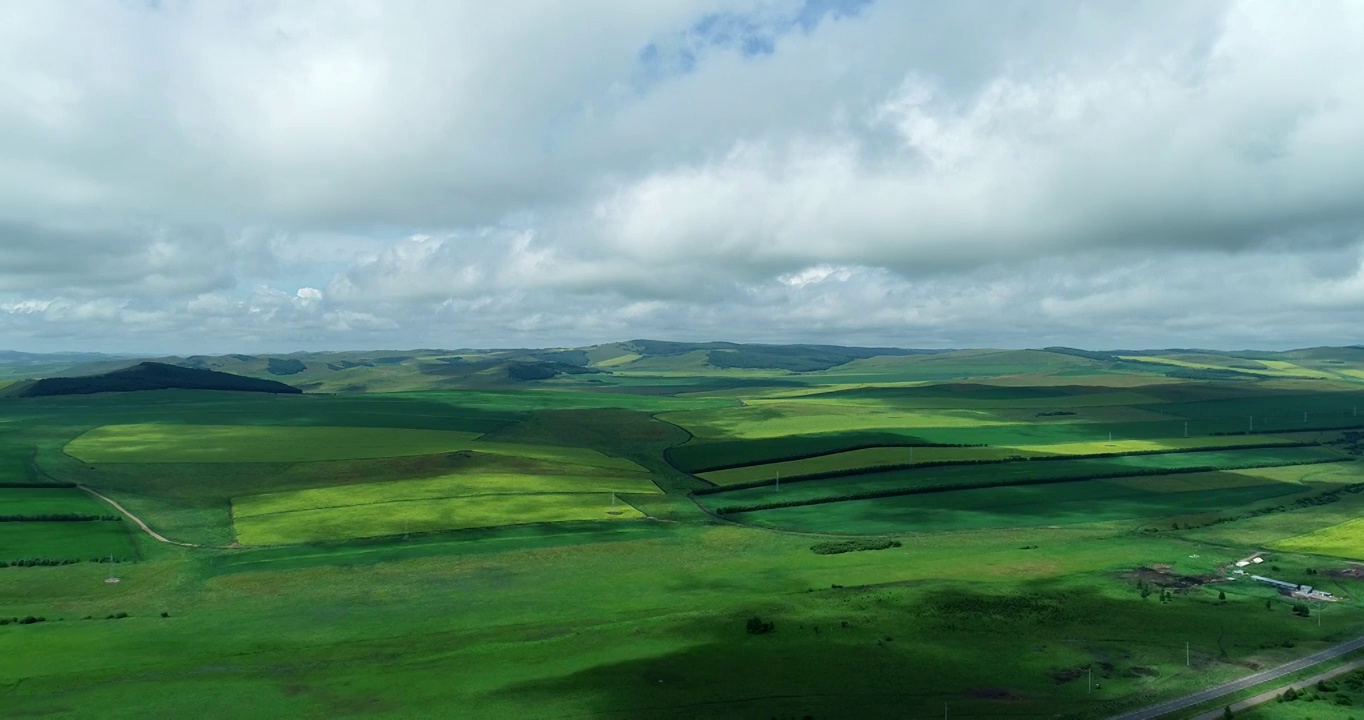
(763, 419)
(450, 502)
(1344, 540)
(252, 443)
(425, 515)
(1172, 443)
(459, 485)
(856, 459)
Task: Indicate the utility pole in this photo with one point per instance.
(405, 534)
(1186, 428)
(1252, 423)
(1186, 653)
(1304, 417)
(1091, 680)
(778, 481)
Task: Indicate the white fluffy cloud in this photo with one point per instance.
(277, 175)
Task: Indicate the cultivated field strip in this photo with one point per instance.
(905, 481)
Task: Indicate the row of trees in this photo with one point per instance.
(60, 517)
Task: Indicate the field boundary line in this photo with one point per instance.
(136, 519)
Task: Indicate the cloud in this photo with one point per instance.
(366, 173)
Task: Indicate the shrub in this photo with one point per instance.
(757, 626)
(845, 546)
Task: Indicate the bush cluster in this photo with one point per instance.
(27, 620)
(59, 517)
(53, 562)
(757, 626)
(844, 546)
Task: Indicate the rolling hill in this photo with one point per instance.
(146, 376)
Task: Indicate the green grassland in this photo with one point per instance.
(62, 541)
(449, 545)
(225, 443)
(946, 477)
(1022, 506)
(259, 526)
(451, 502)
(44, 501)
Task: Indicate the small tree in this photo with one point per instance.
(1221, 594)
(1226, 713)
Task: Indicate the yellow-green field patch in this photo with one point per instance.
(766, 419)
(395, 518)
(258, 443)
(447, 486)
(867, 457)
(1123, 446)
(618, 360)
(1344, 540)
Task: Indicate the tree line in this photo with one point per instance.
(60, 517)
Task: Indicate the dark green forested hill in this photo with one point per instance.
(147, 376)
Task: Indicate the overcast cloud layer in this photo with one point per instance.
(305, 174)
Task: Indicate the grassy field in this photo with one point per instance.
(224, 443)
(401, 554)
(452, 502)
(1026, 506)
(398, 517)
(62, 541)
(41, 501)
(857, 459)
(1011, 472)
(1345, 540)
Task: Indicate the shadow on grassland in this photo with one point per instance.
(898, 652)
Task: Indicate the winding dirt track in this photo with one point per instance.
(136, 519)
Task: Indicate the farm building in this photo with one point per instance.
(1293, 587)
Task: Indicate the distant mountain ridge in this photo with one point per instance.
(609, 366)
(146, 376)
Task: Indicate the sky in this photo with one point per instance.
(275, 175)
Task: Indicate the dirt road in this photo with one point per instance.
(136, 519)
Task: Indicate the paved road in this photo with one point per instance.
(1172, 706)
(1265, 697)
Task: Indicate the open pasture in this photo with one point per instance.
(983, 396)
(49, 501)
(437, 488)
(773, 419)
(455, 501)
(230, 443)
(63, 541)
(857, 459)
(1009, 472)
(869, 457)
(1345, 540)
(1021, 506)
(343, 522)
